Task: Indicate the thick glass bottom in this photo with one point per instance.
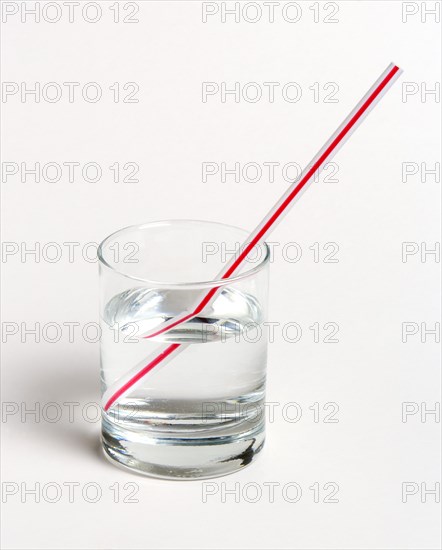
(184, 451)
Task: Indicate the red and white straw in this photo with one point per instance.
(166, 352)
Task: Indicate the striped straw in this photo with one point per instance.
(166, 352)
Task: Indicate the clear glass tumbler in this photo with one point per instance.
(199, 414)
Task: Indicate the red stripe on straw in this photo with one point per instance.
(267, 225)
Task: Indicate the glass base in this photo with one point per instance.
(183, 457)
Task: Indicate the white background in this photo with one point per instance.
(369, 212)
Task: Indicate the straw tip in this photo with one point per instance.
(398, 69)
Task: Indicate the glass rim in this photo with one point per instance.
(200, 284)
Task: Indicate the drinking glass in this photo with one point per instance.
(201, 413)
